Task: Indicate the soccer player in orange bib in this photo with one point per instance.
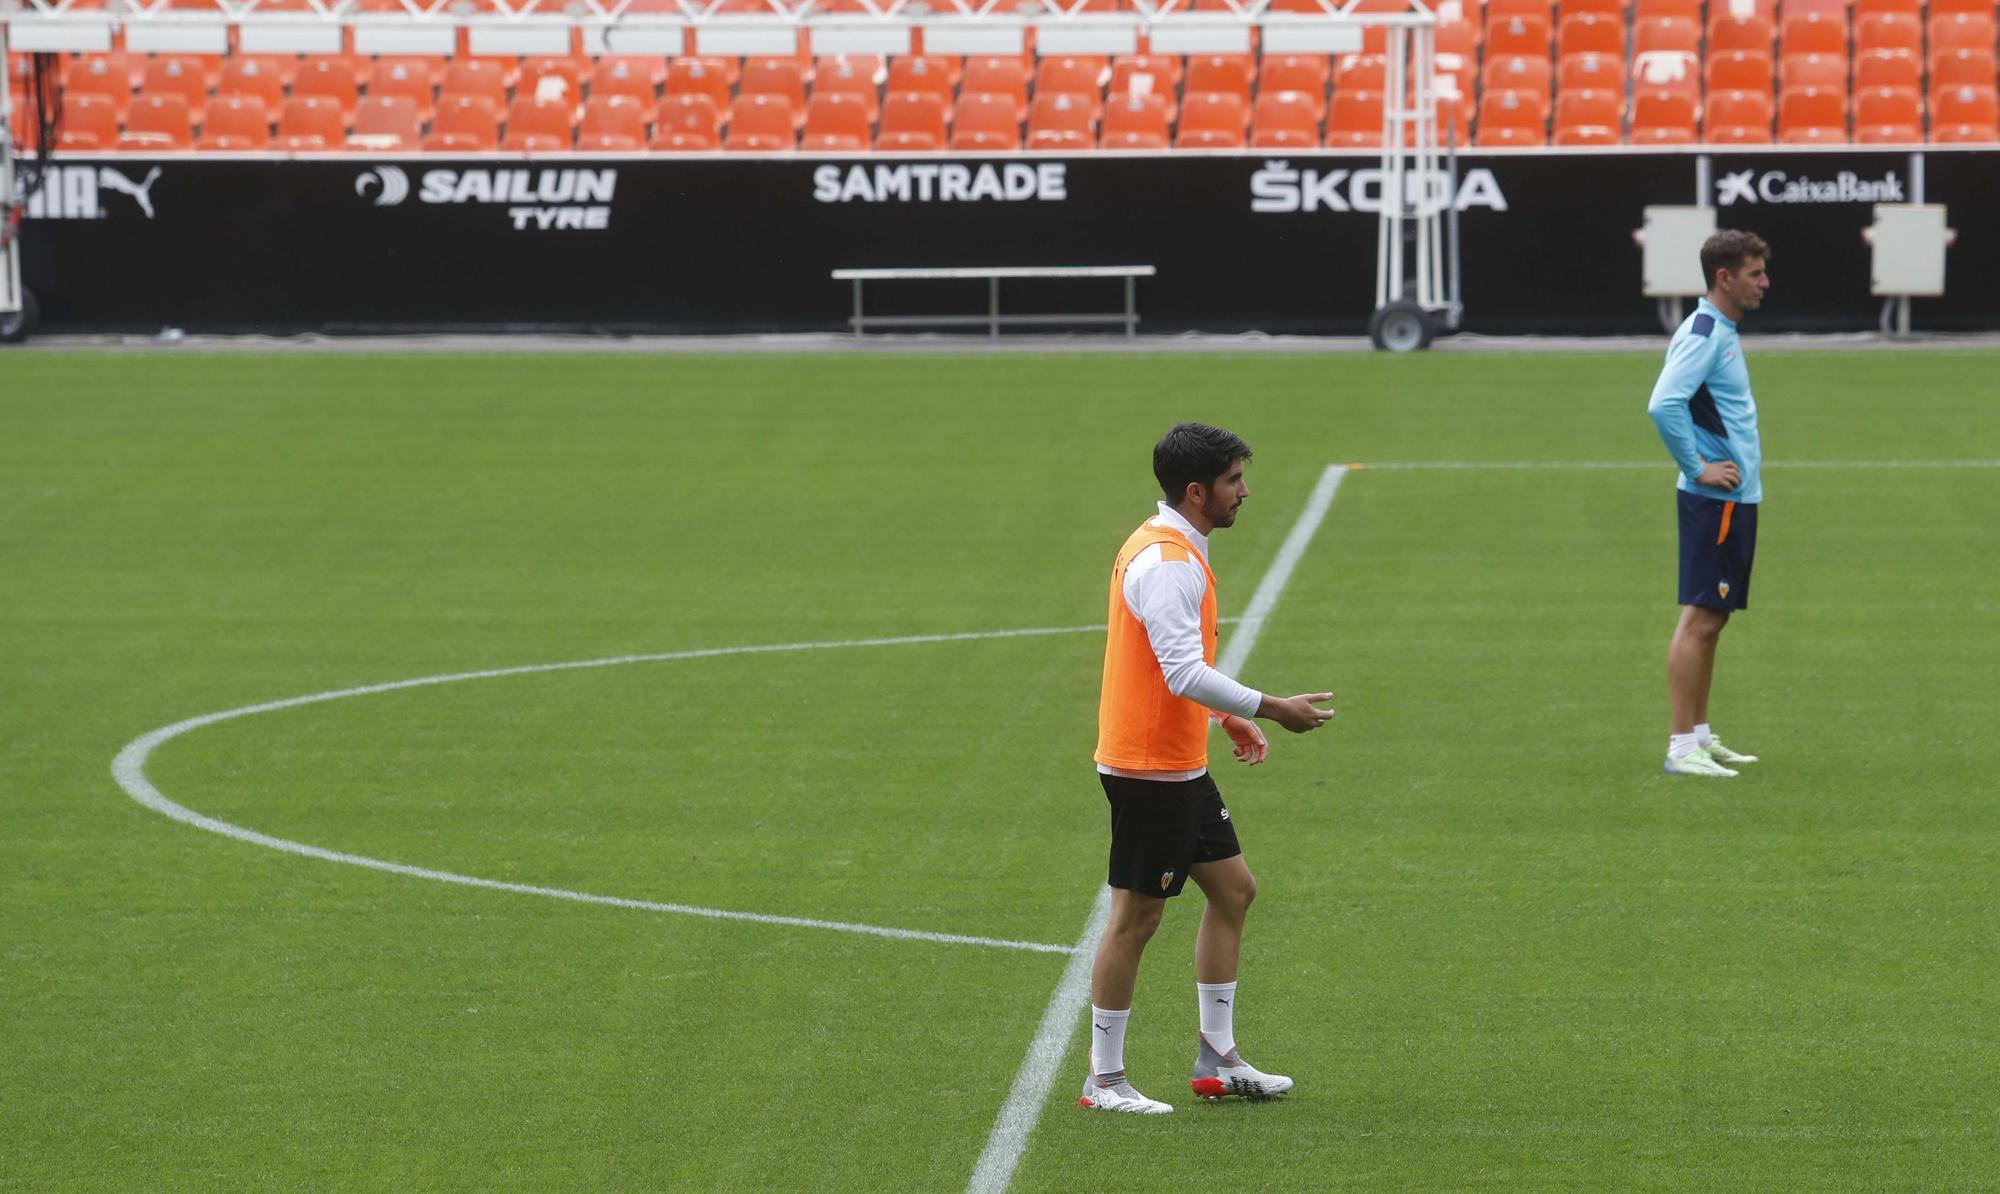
(1168, 823)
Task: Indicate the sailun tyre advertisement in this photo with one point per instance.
(1240, 242)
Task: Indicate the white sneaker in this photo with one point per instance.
(1218, 1075)
(1111, 1092)
(1722, 754)
(1695, 762)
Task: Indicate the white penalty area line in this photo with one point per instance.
(129, 769)
(1050, 1048)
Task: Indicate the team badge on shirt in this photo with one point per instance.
(1166, 880)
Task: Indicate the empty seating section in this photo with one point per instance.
(1510, 73)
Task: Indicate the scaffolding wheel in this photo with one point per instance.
(1401, 327)
(15, 325)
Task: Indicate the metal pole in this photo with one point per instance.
(993, 306)
(1131, 307)
(857, 309)
(10, 255)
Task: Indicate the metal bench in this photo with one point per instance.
(993, 318)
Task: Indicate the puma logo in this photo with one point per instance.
(1101, 1027)
(112, 180)
(1224, 1002)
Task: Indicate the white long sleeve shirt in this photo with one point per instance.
(1165, 595)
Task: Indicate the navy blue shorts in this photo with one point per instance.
(1718, 543)
(1161, 828)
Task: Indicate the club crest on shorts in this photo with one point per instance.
(1722, 589)
(1166, 880)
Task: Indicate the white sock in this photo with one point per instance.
(1218, 1015)
(1680, 744)
(1703, 734)
(1107, 1040)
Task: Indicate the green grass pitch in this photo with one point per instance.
(1497, 948)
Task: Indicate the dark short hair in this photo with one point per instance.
(1194, 453)
(1729, 249)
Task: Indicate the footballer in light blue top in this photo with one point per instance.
(1703, 407)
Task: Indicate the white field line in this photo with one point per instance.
(1049, 1049)
(1660, 465)
(129, 769)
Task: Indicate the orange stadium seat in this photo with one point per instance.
(850, 78)
(465, 122)
(1943, 7)
(1512, 118)
(633, 79)
(1304, 74)
(1517, 35)
(1685, 10)
(1677, 34)
(1220, 74)
(473, 76)
(837, 121)
(1961, 30)
(985, 120)
(1212, 120)
(699, 76)
(1814, 33)
(1913, 8)
(330, 78)
(1591, 72)
(781, 77)
(1888, 116)
(1887, 68)
(387, 123)
(1589, 117)
(1516, 72)
(180, 76)
(1601, 8)
(1361, 72)
(157, 120)
(1812, 114)
(236, 122)
(919, 73)
(1737, 117)
(404, 80)
(761, 124)
(265, 76)
(1663, 118)
(88, 122)
(1591, 33)
(1667, 70)
(1354, 119)
(1457, 37)
(612, 124)
(1965, 114)
(1739, 70)
(536, 125)
(1145, 74)
(311, 123)
(1739, 33)
(868, 66)
(1504, 10)
(1003, 77)
(1069, 74)
(1285, 119)
(432, 65)
(99, 75)
(1962, 68)
(1826, 71)
(1889, 31)
(1788, 9)
(1062, 120)
(555, 77)
(687, 123)
(1135, 120)
(912, 120)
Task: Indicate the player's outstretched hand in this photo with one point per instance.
(1251, 746)
(1297, 713)
(1721, 474)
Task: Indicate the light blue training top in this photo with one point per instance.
(1703, 406)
